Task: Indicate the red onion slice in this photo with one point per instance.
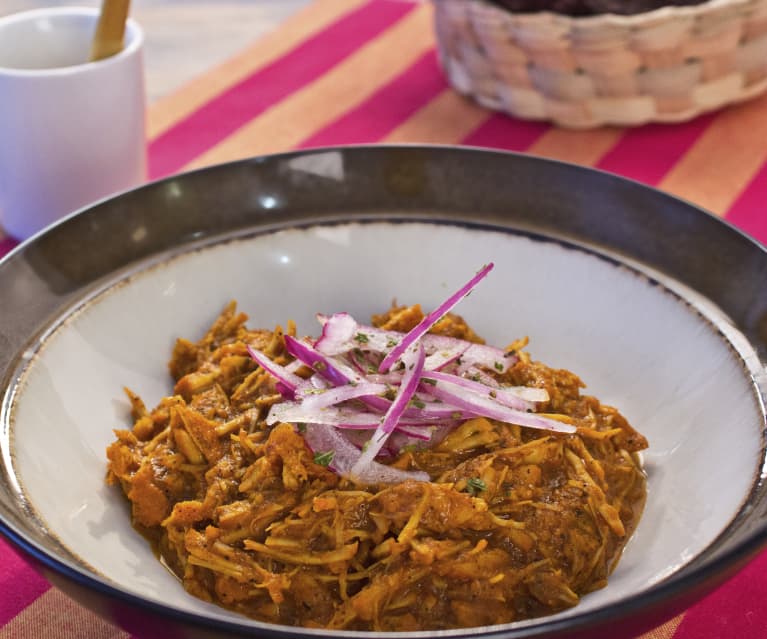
(342, 417)
(488, 407)
(412, 361)
(337, 332)
(444, 356)
(393, 379)
(323, 439)
(478, 375)
(528, 393)
(341, 333)
(335, 372)
(315, 382)
(284, 377)
(499, 393)
(421, 433)
(473, 354)
(432, 318)
(322, 398)
(284, 390)
(492, 358)
(422, 407)
(299, 413)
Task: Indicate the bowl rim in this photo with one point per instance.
(694, 576)
(134, 37)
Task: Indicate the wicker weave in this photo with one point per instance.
(667, 65)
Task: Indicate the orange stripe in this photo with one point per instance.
(724, 159)
(450, 117)
(311, 20)
(446, 119)
(53, 614)
(297, 117)
(579, 147)
(666, 631)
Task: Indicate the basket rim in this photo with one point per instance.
(611, 19)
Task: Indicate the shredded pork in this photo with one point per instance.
(516, 523)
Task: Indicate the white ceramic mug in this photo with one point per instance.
(71, 131)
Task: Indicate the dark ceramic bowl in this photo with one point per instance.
(660, 307)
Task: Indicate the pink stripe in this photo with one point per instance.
(20, 584)
(388, 107)
(233, 108)
(749, 212)
(6, 244)
(648, 152)
(735, 610)
(503, 132)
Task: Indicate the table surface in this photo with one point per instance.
(237, 78)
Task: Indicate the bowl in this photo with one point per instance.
(657, 305)
(665, 65)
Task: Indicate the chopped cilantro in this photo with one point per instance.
(301, 427)
(498, 367)
(324, 459)
(361, 338)
(475, 485)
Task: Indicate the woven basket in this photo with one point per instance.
(666, 65)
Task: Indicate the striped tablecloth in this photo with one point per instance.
(365, 71)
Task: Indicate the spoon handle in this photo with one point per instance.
(110, 30)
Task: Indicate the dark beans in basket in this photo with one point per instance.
(590, 7)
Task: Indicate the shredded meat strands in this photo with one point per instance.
(515, 523)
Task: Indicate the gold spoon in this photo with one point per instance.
(110, 30)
